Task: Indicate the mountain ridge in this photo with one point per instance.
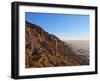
(47, 50)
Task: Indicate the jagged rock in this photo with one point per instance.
(47, 50)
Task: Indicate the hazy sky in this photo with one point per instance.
(65, 26)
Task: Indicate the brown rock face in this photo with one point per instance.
(46, 50)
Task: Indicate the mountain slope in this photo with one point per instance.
(47, 50)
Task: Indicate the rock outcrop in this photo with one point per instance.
(47, 50)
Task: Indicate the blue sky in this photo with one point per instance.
(65, 26)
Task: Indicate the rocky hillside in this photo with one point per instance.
(47, 50)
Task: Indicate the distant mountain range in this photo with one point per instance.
(47, 50)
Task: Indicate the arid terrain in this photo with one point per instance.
(47, 50)
(79, 46)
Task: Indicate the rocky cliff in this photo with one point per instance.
(47, 50)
